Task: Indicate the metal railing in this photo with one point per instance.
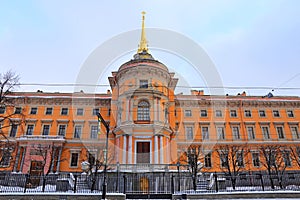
(146, 183)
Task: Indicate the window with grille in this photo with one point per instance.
(46, 129)
(295, 133)
(207, 160)
(276, 113)
(13, 130)
(290, 113)
(265, 132)
(233, 113)
(29, 130)
(255, 159)
(262, 113)
(74, 159)
(49, 111)
(77, 131)
(219, 113)
(143, 111)
(79, 111)
(33, 111)
(188, 113)
(62, 130)
(94, 132)
(205, 133)
(247, 113)
(203, 113)
(236, 132)
(221, 133)
(64, 111)
(280, 132)
(251, 134)
(189, 133)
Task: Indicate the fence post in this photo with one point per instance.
(262, 182)
(124, 184)
(172, 184)
(26, 181)
(75, 182)
(216, 181)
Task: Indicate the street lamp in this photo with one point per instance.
(104, 185)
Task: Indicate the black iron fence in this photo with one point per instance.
(147, 183)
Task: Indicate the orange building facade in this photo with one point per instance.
(151, 127)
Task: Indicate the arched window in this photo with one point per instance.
(143, 111)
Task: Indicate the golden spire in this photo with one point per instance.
(143, 43)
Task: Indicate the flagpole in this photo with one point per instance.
(104, 185)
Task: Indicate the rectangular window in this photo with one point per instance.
(280, 133)
(265, 132)
(224, 159)
(203, 113)
(143, 83)
(2, 109)
(62, 130)
(18, 110)
(240, 159)
(49, 111)
(6, 156)
(207, 160)
(94, 132)
(95, 111)
(236, 132)
(290, 113)
(33, 111)
(218, 113)
(13, 130)
(77, 131)
(188, 113)
(276, 113)
(74, 159)
(233, 113)
(287, 159)
(221, 133)
(247, 113)
(255, 159)
(251, 134)
(189, 133)
(205, 133)
(295, 133)
(262, 113)
(64, 111)
(29, 130)
(79, 111)
(46, 129)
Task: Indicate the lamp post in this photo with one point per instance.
(104, 185)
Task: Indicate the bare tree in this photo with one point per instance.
(295, 154)
(275, 160)
(8, 82)
(192, 157)
(232, 160)
(97, 162)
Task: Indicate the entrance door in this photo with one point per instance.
(36, 170)
(143, 152)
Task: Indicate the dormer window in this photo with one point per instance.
(143, 83)
(143, 111)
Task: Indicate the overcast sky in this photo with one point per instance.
(252, 43)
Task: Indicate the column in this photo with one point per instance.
(23, 159)
(58, 160)
(52, 159)
(17, 159)
(161, 150)
(130, 150)
(117, 148)
(168, 150)
(124, 149)
(155, 111)
(156, 149)
(127, 108)
(158, 109)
